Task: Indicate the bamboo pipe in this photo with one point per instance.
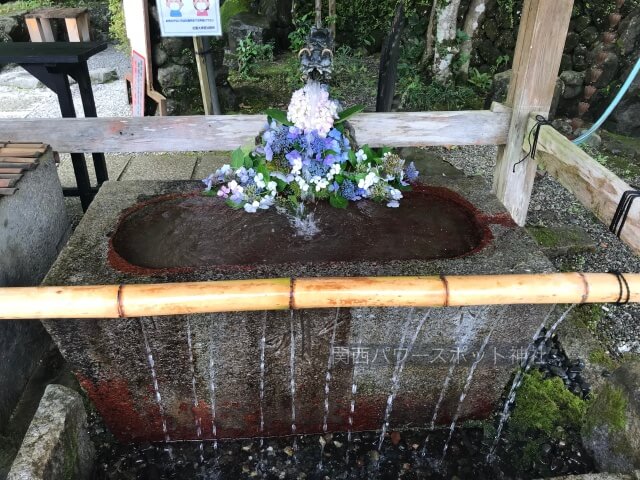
(113, 301)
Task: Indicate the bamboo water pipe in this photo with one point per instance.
(123, 301)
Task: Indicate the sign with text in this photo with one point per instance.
(138, 91)
(189, 18)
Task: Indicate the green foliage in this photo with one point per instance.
(608, 408)
(117, 29)
(298, 37)
(354, 79)
(230, 8)
(545, 411)
(600, 357)
(417, 95)
(482, 81)
(22, 5)
(249, 52)
(588, 315)
(359, 20)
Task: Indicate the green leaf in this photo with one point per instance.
(280, 184)
(234, 205)
(248, 161)
(247, 149)
(348, 113)
(279, 116)
(368, 152)
(338, 201)
(293, 200)
(264, 171)
(237, 158)
(353, 160)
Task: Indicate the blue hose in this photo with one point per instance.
(611, 107)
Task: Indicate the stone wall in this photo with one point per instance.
(176, 74)
(497, 37)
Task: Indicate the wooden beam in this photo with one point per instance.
(228, 132)
(596, 187)
(536, 63)
(203, 75)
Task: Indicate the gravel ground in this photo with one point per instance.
(110, 98)
(553, 205)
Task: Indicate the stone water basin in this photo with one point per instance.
(198, 231)
(154, 232)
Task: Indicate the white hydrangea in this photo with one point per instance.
(368, 181)
(312, 109)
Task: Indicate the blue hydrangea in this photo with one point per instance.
(349, 190)
(317, 169)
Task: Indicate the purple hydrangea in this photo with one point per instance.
(411, 173)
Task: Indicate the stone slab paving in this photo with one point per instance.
(174, 166)
(208, 163)
(116, 163)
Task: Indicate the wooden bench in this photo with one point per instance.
(76, 20)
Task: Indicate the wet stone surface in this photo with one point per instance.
(363, 231)
(414, 454)
(400, 457)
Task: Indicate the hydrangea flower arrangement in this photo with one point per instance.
(306, 154)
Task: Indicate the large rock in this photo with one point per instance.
(626, 117)
(500, 88)
(12, 28)
(573, 83)
(33, 229)
(610, 68)
(57, 445)
(111, 358)
(629, 32)
(245, 24)
(174, 76)
(612, 430)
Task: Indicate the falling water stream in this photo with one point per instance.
(292, 366)
(327, 385)
(400, 362)
(525, 365)
(354, 392)
(263, 342)
(467, 386)
(212, 389)
(156, 389)
(197, 420)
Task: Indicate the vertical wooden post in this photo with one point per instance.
(536, 63)
(332, 18)
(318, 13)
(203, 75)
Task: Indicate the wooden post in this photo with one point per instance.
(332, 18)
(203, 75)
(536, 63)
(318, 13)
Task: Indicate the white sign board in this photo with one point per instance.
(189, 18)
(137, 25)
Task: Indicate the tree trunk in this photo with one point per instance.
(429, 40)
(389, 62)
(472, 22)
(445, 48)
